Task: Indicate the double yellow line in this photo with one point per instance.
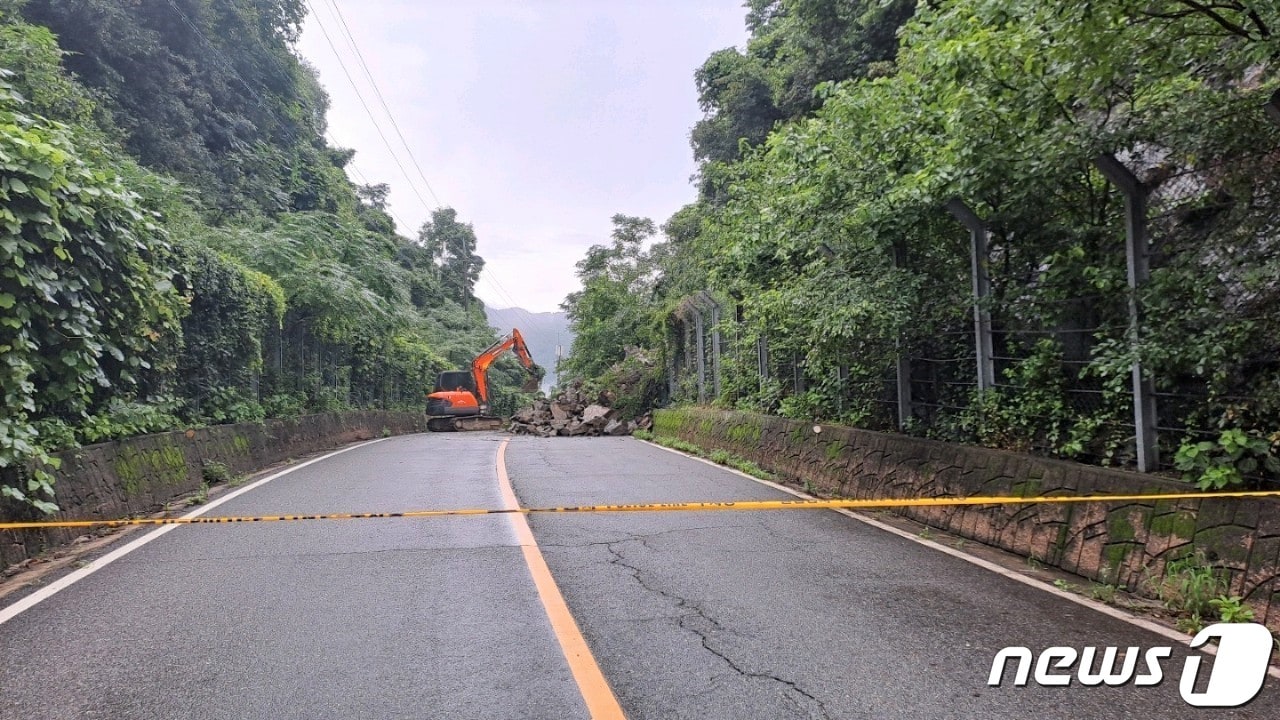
(705, 506)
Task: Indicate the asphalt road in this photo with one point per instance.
(792, 614)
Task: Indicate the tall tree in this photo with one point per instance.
(613, 310)
(452, 244)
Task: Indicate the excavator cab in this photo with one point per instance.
(453, 396)
(454, 381)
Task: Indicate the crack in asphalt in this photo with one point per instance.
(682, 621)
(630, 536)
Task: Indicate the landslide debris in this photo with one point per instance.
(574, 412)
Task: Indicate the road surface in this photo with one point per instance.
(782, 614)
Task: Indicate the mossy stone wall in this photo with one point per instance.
(139, 475)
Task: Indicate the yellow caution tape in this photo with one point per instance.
(660, 507)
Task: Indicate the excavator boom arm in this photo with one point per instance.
(480, 366)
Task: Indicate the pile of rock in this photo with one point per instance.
(573, 413)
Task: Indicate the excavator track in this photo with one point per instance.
(474, 422)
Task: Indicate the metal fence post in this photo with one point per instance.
(903, 365)
(1135, 210)
(762, 358)
(981, 291)
(702, 357)
(715, 349)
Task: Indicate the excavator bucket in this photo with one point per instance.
(533, 380)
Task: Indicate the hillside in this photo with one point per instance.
(544, 332)
(184, 246)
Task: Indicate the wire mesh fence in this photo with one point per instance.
(1149, 329)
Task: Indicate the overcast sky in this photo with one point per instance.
(537, 119)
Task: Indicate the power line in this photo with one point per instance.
(365, 181)
(486, 276)
(382, 101)
(365, 105)
(344, 30)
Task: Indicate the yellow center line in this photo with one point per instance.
(595, 690)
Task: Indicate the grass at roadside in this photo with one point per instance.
(720, 457)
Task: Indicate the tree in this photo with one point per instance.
(796, 46)
(613, 310)
(821, 215)
(239, 275)
(452, 245)
(734, 92)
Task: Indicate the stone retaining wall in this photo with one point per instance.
(141, 474)
(1125, 545)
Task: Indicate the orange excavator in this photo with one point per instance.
(460, 399)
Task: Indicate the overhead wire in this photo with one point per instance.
(364, 104)
(487, 276)
(344, 31)
(230, 67)
(364, 66)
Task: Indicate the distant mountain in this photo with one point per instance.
(543, 332)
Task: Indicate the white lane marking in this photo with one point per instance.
(1107, 610)
(70, 579)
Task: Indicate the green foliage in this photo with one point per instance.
(633, 385)
(1232, 609)
(720, 457)
(123, 418)
(678, 444)
(1227, 462)
(830, 146)
(232, 309)
(746, 466)
(1189, 585)
(32, 54)
(222, 405)
(450, 247)
(210, 93)
(1033, 411)
(614, 308)
(796, 47)
(85, 284)
(215, 472)
(1104, 593)
(810, 405)
(734, 89)
(284, 405)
